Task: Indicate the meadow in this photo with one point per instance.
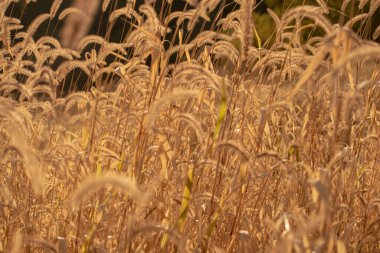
(180, 139)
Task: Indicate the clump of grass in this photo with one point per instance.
(208, 143)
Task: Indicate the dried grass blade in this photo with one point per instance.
(215, 217)
(341, 247)
(221, 114)
(186, 198)
(187, 192)
(17, 243)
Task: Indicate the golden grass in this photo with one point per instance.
(225, 149)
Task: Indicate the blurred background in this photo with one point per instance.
(28, 10)
(263, 22)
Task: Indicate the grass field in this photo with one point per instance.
(183, 141)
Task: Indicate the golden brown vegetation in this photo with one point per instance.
(228, 149)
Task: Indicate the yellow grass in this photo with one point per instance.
(195, 146)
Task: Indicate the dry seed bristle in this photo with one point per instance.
(160, 104)
(92, 183)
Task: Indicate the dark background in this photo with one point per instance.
(28, 12)
(263, 22)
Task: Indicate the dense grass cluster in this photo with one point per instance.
(188, 142)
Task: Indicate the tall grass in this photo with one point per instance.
(187, 141)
